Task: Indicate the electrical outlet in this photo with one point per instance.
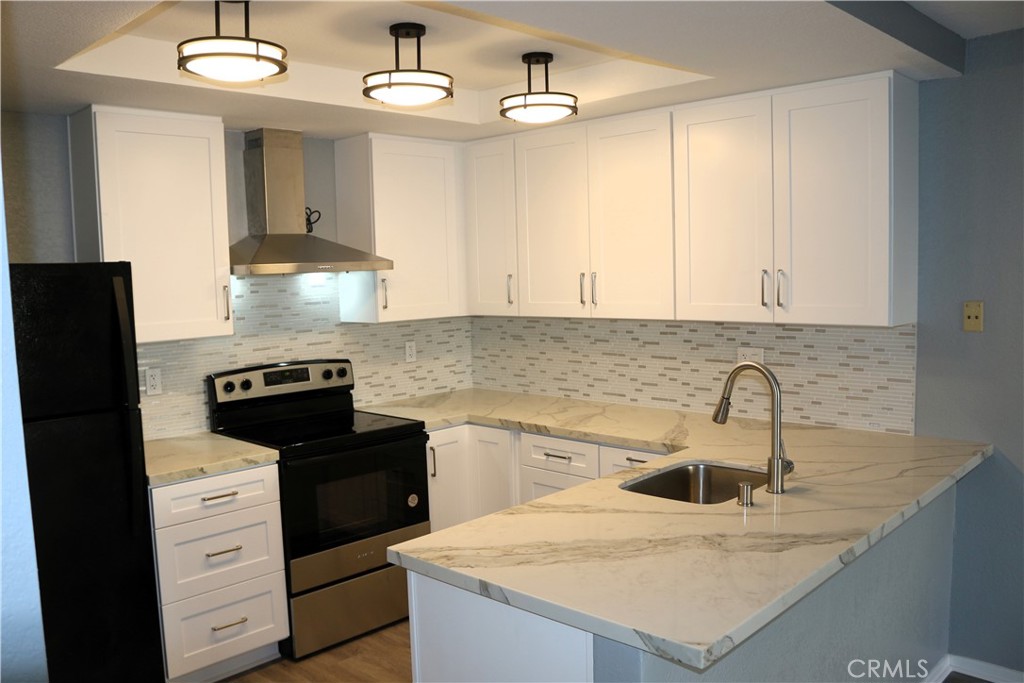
(154, 383)
(749, 353)
(410, 351)
(974, 316)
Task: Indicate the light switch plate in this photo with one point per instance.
(974, 316)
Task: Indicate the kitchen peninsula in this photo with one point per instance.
(597, 583)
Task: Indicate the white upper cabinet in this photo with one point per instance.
(724, 249)
(630, 173)
(492, 267)
(150, 188)
(552, 209)
(398, 198)
(846, 203)
(800, 207)
(594, 205)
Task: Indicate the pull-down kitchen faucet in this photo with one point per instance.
(778, 464)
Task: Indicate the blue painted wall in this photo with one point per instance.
(969, 385)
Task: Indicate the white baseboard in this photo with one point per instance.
(984, 670)
(938, 672)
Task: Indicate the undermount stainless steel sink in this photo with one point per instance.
(701, 483)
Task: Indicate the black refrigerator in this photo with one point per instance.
(75, 345)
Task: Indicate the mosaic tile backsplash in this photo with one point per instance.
(861, 378)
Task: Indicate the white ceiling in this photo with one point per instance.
(616, 56)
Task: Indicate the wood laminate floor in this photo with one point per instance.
(383, 655)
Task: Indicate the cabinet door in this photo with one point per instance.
(553, 223)
(492, 275)
(723, 192)
(416, 224)
(490, 469)
(630, 186)
(163, 207)
(536, 483)
(447, 480)
(832, 204)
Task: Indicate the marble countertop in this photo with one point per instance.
(684, 582)
(197, 455)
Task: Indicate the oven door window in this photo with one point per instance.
(333, 499)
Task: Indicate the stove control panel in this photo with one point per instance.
(282, 378)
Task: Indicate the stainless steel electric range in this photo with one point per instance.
(352, 483)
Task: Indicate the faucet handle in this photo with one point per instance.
(787, 465)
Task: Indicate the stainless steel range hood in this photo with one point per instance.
(275, 201)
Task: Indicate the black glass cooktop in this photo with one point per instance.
(326, 432)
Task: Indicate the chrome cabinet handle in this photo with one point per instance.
(225, 552)
(433, 461)
(583, 297)
(233, 623)
(384, 284)
(593, 288)
(764, 299)
(636, 460)
(567, 458)
(778, 289)
(207, 499)
(227, 302)
(508, 288)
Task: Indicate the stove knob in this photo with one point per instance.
(327, 374)
(246, 385)
(229, 387)
(342, 372)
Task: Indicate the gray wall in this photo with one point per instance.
(971, 385)
(23, 656)
(37, 187)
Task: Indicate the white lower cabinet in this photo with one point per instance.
(549, 464)
(469, 473)
(220, 564)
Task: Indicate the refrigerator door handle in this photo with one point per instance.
(124, 318)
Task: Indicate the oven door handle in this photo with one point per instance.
(433, 461)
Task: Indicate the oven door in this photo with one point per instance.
(338, 498)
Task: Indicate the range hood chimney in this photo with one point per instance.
(275, 201)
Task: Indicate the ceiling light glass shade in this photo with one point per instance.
(230, 59)
(538, 107)
(407, 87)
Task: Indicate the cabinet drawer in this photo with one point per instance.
(578, 458)
(617, 459)
(213, 553)
(214, 626)
(201, 498)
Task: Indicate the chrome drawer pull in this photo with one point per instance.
(593, 288)
(225, 552)
(433, 461)
(637, 460)
(567, 458)
(583, 297)
(384, 284)
(764, 299)
(508, 288)
(227, 303)
(778, 290)
(207, 499)
(233, 623)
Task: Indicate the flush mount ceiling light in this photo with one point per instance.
(407, 87)
(538, 107)
(231, 59)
